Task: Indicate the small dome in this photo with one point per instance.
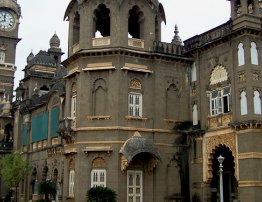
(54, 41)
(30, 57)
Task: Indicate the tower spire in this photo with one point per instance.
(176, 40)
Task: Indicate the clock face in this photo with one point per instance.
(7, 21)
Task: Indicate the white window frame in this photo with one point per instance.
(71, 183)
(218, 101)
(134, 186)
(98, 177)
(2, 56)
(135, 104)
(73, 106)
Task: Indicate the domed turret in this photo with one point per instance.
(54, 41)
(30, 57)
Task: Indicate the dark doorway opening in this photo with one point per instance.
(229, 180)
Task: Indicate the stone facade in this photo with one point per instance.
(145, 118)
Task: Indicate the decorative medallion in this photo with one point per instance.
(218, 75)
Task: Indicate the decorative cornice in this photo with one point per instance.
(244, 125)
(250, 183)
(250, 155)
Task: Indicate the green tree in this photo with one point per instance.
(13, 168)
(47, 188)
(101, 194)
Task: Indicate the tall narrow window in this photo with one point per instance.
(241, 55)
(73, 100)
(73, 106)
(134, 186)
(257, 103)
(135, 23)
(254, 53)
(193, 72)
(243, 103)
(102, 21)
(76, 29)
(195, 115)
(135, 104)
(71, 183)
(98, 177)
(2, 56)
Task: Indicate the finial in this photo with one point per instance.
(176, 40)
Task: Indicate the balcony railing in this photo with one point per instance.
(167, 48)
(207, 37)
(8, 66)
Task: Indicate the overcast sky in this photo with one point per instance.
(42, 18)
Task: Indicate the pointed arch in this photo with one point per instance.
(195, 115)
(254, 53)
(99, 97)
(241, 54)
(172, 100)
(136, 23)
(102, 20)
(243, 103)
(76, 29)
(257, 102)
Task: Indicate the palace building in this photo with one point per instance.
(145, 118)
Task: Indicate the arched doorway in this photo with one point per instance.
(229, 180)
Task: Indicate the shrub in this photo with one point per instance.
(101, 194)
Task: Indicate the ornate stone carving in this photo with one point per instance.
(255, 76)
(124, 163)
(218, 75)
(135, 84)
(228, 140)
(242, 77)
(98, 163)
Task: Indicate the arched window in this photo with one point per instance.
(193, 72)
(98, 173)
(195, 115)
(34, 181)
(250, 6)
(102, 21)
(45, 174)
(135, 98)
(136, 23)
(241, 55)
(172, 101)
(76, 29)
(73, 100)
(71, 181)
(243, 103)
(238, 8)
(257, 103)
(254, 53)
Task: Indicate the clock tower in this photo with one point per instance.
(10, 13)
